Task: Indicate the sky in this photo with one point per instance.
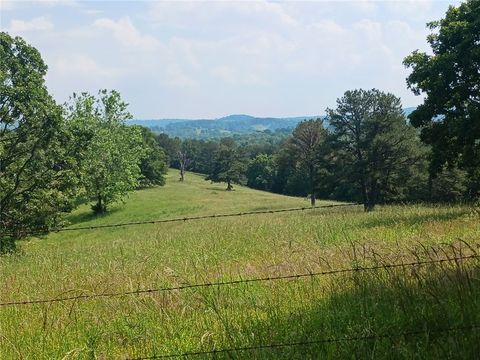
(180, 59)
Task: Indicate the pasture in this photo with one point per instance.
(422, 311)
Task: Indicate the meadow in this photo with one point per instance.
(421, 312)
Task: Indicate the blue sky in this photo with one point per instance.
(209, 59)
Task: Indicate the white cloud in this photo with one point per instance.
(413, 8)
(81, 65)
(9, 5)
(187, 13)
(127, 34)
(234, 76)
(6, 5)
(177, 78)
(36, 24)
(197, 58)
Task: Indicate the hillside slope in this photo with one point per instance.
(155, 256)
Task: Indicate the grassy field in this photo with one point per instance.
(421, 299)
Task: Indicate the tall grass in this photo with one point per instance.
(425, 298)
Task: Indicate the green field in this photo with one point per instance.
(423, 299)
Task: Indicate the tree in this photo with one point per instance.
(153, 165)
(111, 152)
(450, 114)
(170, 146)
(35, 161)
(229, 164)
(373, 143)
(261, 172)
(185, 155)
(448, 185)
(305, 144)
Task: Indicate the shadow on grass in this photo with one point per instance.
(410, 308)
(89, 215)
(386, 219)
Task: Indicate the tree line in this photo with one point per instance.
(365, 150)
(53, 158)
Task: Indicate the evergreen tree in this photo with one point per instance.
(373, 143)
(306, 144)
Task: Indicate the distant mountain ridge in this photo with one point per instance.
(215, 128)
(237, 124)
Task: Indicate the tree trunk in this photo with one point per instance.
(99, 204)
(312, 186)
(182, 159)
(229, 185)
(99, 207)
(182, 172)
(372, 198)
(430, 187)
(364, 194)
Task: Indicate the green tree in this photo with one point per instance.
(373, 143)
(261, 172)
(229, 164)
(170, 146)
(111, 152)
(306, 145)
(35, 161)
(448, 185)
(153, 165)
(449, 77)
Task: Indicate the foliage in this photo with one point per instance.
(449, 78)
(260, 172)
(153, 165)
(229, 164)
(111, 152)
(36, 182)
(228, 126)
(306, 146)
(448, 185)
(373, 143)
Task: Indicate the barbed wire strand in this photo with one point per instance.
(235, 282)
(189, 218)
(309, 342)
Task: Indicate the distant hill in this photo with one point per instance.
(230, 125)
(216, 128)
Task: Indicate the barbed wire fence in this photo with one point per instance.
(311, 342)
(185, 219)
(308, 342)
(240, 281)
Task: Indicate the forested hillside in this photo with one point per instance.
(217, 128)
(232, 125)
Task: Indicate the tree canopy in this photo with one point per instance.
(373, 142)
(111, 154)
(153, 165)
(450, 80)
(229, 164)
(305, 145)
(35, 156)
